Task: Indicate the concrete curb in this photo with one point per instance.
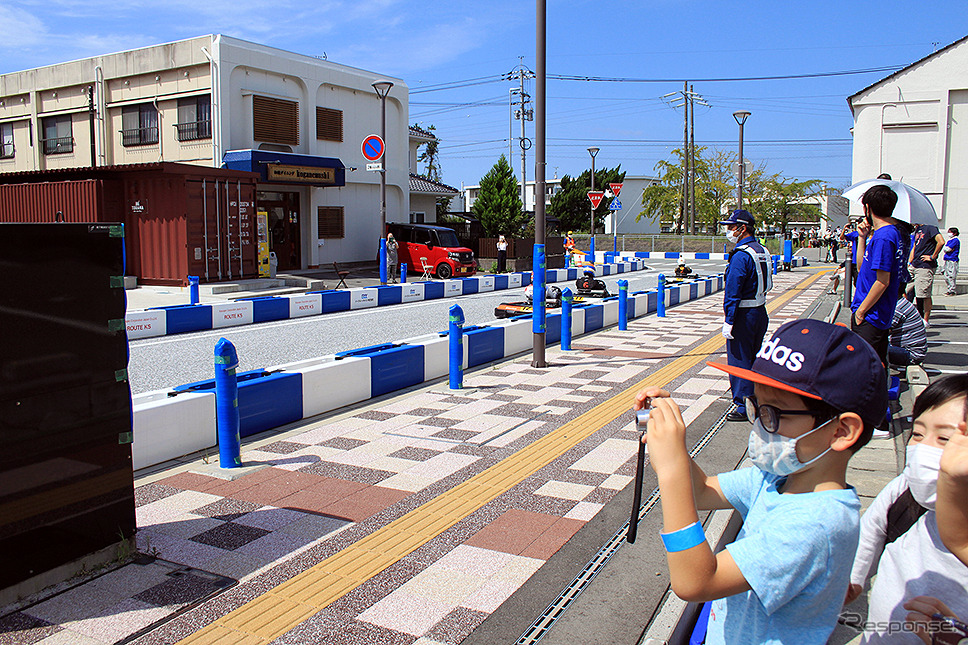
(180, 319)
(180, 420)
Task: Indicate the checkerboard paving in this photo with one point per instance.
(335, 481)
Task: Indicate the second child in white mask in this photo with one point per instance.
(899, 532)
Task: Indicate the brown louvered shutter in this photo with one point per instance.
(330, 222)
(329, 124)
(275, 120)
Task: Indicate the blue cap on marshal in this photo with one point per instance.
(739, 217)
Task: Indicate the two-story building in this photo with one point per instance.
(298, 121)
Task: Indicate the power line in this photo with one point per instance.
(607, 79)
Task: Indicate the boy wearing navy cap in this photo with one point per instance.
(819, 389)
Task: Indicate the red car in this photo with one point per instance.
(436, 246)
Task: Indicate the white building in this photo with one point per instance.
(630, 198)
(913, 125)
(469, 194)
(214, 100)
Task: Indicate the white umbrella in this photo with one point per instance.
(912, 207)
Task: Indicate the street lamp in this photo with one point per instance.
(740, 116)
(382, 89)
(591, 238)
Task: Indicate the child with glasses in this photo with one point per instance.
(900, 535)
(819, 389)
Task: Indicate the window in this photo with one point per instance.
(194, 118)
(58, 137)
(330, 222)
(329, 124)
(139, 125)
(6, 140)
(416, 218)
(275, 120)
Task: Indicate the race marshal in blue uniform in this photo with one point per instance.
(748, 278)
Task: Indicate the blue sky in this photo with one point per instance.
(798, 127)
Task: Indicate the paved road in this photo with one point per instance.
(158, 363)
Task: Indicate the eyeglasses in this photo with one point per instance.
(770, 414)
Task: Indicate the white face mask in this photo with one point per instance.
(732, 237)
(777, 454)
(921, 472)
(951, 236)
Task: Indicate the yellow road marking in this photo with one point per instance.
(280, 609)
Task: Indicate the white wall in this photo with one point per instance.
(914, 125)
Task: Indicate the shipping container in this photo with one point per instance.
(180, 219)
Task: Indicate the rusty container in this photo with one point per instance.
(180, 219)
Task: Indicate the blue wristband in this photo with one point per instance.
(683, 539)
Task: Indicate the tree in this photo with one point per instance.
(715, 189)
(782, 199)
(498, 204)
(429, 155)
(570, 205)
(663, 200)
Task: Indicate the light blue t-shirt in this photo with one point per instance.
(795, 551)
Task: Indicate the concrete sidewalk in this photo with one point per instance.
(431, 517)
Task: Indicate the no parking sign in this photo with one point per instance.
(373, 147)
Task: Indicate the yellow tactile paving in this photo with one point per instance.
(267, 617)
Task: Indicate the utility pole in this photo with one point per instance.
(523, 113)
(692, 159)
(684, 216)
(687, 99)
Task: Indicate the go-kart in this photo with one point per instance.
(591, 287)
(552, 301)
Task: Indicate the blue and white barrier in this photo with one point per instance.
(179, 421)
(178, 319)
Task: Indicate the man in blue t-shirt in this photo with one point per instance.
(952, 248)
(882, 252)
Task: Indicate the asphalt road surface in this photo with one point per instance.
(160, 363)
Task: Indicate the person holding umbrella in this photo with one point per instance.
(882, 242)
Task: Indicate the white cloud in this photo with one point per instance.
(20, 28)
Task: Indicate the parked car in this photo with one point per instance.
(436, 246)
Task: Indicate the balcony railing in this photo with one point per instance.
(139, 136)
(58, 145)
(194, 130)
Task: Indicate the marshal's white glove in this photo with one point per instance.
(727, 331)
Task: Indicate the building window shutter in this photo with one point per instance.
(330, 222)
(329, 124)
(275, 120)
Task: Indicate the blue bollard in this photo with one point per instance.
(776, 261)
(788, 254)
(227, 405)
(623, 305)
(455, 335)
(566, 299)
(383, 260)
(193, 289)
(539, 284)
(660, 300)
(403, 273)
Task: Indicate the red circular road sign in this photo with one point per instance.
(373, 147)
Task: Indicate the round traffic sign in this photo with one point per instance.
(373, 147)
